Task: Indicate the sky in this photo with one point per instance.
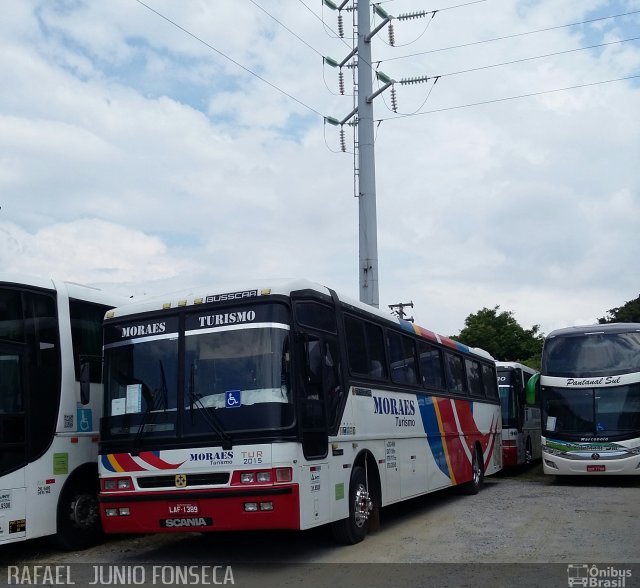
(147, 147)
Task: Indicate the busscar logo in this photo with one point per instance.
(186, 522)
(231, 296)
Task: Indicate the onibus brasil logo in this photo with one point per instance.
(597, 576)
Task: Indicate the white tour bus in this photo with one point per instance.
(284, 406)
(521, 442)
(589, 390)
(48, 432)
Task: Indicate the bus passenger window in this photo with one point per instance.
(455, 373)
(474, 377)
(402, 357)
(431, 368)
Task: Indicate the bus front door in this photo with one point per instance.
(13, 445)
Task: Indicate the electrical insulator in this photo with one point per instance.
(394, 100)
(392, 35)
(340, 25)
(343, 143)
(341, 81)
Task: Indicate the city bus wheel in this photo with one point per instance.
(477, 473)
(354, 528)
(78, 517)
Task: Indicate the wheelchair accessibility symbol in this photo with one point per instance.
(232, 399)
(85, 420)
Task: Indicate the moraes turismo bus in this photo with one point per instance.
(284, 405)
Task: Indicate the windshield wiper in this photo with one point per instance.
(208, 414)
(135, 446)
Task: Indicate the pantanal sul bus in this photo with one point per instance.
(48, 432)
(284, 406)
(589, 388)
(521, 443)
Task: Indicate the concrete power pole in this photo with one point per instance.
(368, 241)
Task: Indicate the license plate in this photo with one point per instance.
(183, 508)
(596, 468)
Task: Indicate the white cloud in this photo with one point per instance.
(134, 156)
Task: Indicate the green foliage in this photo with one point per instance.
(629, 312)
(500, 334)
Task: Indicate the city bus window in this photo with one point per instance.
(86, 336)
(455, 373)
(431, 368)
(402, 356)
(474, 377)
(316, 316)
(365, 347)
(490, 382)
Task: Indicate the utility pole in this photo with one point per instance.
(368, 242)
(398, 310)
(366, 167)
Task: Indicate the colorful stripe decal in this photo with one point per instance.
(452, 433)
(145, 461)
(153, 459)
(432, 423)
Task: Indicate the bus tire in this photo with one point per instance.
(78, 516)
(354, 528)
(474, 485)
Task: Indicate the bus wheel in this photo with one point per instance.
(78, 517)
(477, 473)
(354, 528)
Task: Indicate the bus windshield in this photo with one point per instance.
(230, 378)
(592, 411)
(242, 375)
(593, 354)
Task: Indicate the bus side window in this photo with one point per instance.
(402, 355)
(431, 367)
(490, 382)
(474, 377)
(455, 373)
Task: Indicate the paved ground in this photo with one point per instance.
(522, 529)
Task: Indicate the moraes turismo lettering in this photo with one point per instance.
(141, 330)
(228, 318)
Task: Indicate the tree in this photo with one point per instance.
(629, 312)
(500, 334)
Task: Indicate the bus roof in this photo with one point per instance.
(515, 365)
(201, 294)
(598, 328)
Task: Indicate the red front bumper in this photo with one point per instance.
(207, 510)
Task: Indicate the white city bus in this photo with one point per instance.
(521, 443)
(48, 433)
(284, 406)
(589, 389)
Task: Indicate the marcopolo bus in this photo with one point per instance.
(48, 431)
(520, 421)
(284, 406)
(589, 388)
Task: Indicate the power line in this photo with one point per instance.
(574, 24)
(285, 27)
(496, 100)
(458, 5)
(463, 71)
(270, 84)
